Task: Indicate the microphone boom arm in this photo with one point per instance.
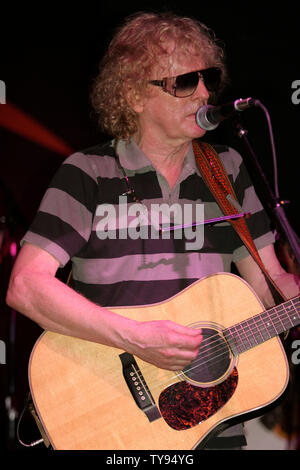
(209, 117)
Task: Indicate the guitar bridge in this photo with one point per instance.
(138, 387)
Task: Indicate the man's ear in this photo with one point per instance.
(135, 100)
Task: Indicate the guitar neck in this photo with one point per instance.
(264, 326)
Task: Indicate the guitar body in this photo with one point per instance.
(84, 402)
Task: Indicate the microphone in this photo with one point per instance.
(208, 117)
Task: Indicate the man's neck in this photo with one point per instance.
(167, 160)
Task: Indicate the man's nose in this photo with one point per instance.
(201, 91)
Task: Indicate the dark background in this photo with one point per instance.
(49, 56)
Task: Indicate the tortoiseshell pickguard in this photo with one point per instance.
(183, 405)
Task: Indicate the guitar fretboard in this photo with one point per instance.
(264, 326)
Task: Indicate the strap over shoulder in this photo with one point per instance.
(216, 179)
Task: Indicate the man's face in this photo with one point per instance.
(167, 118)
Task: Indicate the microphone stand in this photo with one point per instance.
(276, 204)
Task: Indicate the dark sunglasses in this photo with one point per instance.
(186, 84)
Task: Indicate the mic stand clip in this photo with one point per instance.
(209, 222)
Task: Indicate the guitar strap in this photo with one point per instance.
(216, 179)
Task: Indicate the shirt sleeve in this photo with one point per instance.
(63, 223)
(258, 223)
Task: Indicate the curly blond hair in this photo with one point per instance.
(131, 56)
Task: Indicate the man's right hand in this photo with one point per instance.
(165, 344)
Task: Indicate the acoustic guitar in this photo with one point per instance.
(90, 396)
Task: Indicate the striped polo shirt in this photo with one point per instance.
(119, 256)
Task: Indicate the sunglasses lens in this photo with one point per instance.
(187, 83)
(211, 78)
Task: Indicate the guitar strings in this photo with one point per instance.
(197, 364)
(272, 312)
(172, 380)
(242, 334)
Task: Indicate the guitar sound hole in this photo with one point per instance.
(213, 359)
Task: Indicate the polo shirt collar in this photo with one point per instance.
(133, 158)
